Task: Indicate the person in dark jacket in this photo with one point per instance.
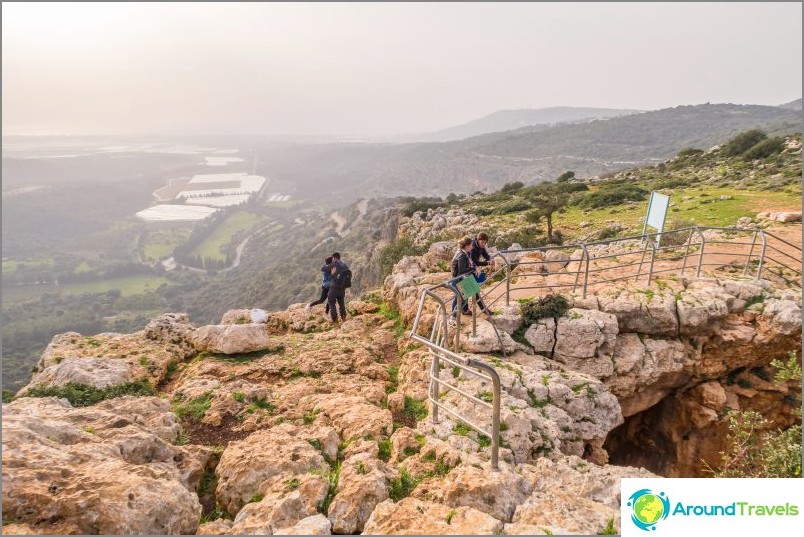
(337, 294)
(480, 256)
(326, 277)
(462, 266)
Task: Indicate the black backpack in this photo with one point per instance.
(343, 279)
(346, 279)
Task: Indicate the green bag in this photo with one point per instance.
(469, 287)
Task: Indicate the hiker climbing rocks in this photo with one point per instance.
(326, 277)
(341, 280)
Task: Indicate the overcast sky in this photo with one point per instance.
(252, 68)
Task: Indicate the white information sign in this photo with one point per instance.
(657, 213)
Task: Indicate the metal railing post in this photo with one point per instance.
(642, 259)
(686, 254)
(652, 259)
(762, 255)
(586, 270)
(701, 256)
(507, 283)
(474, 316)
(750, 253)
(436, 369)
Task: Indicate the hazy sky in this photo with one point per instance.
(94, 68)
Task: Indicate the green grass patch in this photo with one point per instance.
(385, 449)
(333, 477)
(80, 395)
(128, 286)
(194, 408)
(212, 246)
(415, 409)
(401, 487)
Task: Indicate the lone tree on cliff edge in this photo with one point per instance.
(548, 198)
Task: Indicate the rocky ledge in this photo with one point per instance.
(292, 426)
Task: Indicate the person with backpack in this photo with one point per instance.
(340, 282)
(462, 267)
(326, 277)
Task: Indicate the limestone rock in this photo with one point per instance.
(710, 394)
(352, 416)
(216, 527)
(509, 319)
(246, 465)
(585, 341)
(636, 313)
(286, 501)
(541, 336)
(99, 469)
(361, 486)
(496, 493)
(403, 444)
(570, 512)
(312, 525)
(174, 329)
(418, 517)
(782, 316)
(231, 338)
(97, 372)
(487, 338)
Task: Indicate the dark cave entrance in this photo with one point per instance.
(644, 439)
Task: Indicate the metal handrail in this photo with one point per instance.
(650, 245)
(438, 352)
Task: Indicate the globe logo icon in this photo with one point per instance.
(648, 508)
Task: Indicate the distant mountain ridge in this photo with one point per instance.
(792, 105)
(508, 120)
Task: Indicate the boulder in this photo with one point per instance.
(231, 338)
(97, 372)
(247, 465)
(104, 469)
(487, 339)
(286, 500)
(361, 486)
(541, 336)
(352, 416)
(585, 341)
(412, 516)
(404, 444)
(508, 319)
(636, 313)
(782, 316)
(576, 515)
(312, 525)
(496, 493)
(174, 329)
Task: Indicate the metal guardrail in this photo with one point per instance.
(586, 274)
(438, 345)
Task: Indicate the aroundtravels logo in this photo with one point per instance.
(648, 508)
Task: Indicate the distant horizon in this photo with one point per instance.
(353, 135)
(378, 69)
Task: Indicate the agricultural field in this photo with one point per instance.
(212, 246)
(160, 244)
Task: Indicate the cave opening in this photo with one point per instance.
(644, 440)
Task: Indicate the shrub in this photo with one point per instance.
(765, 148)
(529, 236)
(511, 187)
(394, 252)
(677, 239)
(742, 142)
(413, 205)
(610, 195)
(689, 152)
(513, 205)
(548, 306)
(565, 177)
(80, 395)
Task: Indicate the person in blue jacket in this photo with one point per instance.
(326, 278)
